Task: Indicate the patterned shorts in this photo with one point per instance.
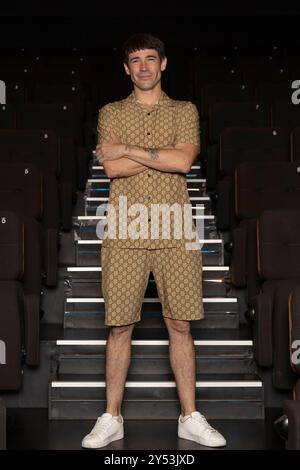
(125, 274)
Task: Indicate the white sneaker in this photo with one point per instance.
(194, 427)
(108, 428)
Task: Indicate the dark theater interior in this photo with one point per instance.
(238, 64)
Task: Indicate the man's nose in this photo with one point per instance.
(143, 66)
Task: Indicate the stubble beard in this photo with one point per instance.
(147, 87)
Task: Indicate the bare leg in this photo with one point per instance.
(118, 355)
(182, 359)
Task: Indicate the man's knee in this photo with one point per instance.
(121, 331)
(178, 326)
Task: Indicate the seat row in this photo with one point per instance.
(271, 246)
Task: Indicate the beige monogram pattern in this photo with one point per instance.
(177, 273)
(169, 123)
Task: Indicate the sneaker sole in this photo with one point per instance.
(200, 441)
(118, 437)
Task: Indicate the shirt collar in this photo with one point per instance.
(163, 101)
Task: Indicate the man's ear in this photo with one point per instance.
(163, 64)
(126, 68)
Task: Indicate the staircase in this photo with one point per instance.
(227, 385)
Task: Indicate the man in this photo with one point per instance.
(147, 143)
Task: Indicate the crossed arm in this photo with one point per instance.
(122, 167)
(127, 160)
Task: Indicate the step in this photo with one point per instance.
(195, 187)
(210, 273)
(95, 183)
(84, 312)
(152, 396)
(87, 251)
(95, 163)
(58, 333)
(95, 166)
(97, 171)
(193, 199)
(85, 281)
(98, 188)
(152, 356)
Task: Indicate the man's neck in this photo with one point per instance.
(148, 98)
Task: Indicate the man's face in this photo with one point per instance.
(144, 67)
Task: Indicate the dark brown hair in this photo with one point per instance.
(142, 41)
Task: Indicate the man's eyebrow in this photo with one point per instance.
(147, 57)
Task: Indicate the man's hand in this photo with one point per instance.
(111, 150)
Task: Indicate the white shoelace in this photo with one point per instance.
(202, 420)
(102, 425)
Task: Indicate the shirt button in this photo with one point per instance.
(149, 175)
(148, 133)
(148, 114)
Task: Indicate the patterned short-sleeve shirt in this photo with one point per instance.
(168, 123)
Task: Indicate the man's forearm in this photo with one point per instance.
(123, 167)
(166, 159)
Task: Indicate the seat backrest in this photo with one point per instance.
(58, 93)
(269, 92)
(40, 147)
(266, 185)
(64, 119)
(231, 114)
(219, 92)
(15, 93)
(11, 311)
(278, 244)
(238, 144)
(12, 242)
(11, 246)
(285, 114)
(7, 116)
(295, 144)
(257, 70)
(21, 73)
(21, 189)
